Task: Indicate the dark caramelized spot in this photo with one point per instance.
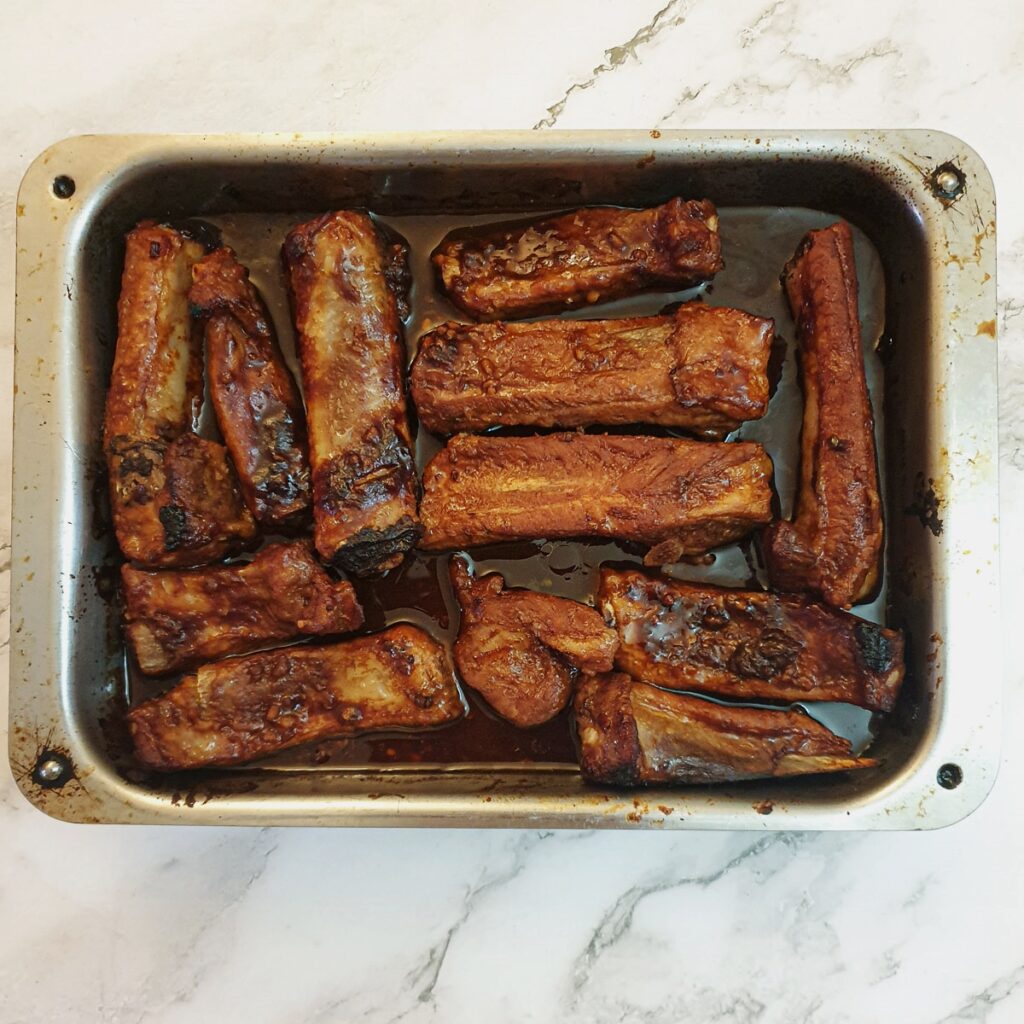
(766, 656)
(369, 547)
(135, 463)
(400, 658)
(398, 276)
(175, 523)
(876, 649)
(715, 618)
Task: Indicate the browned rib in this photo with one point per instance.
(346, 283)
(156, 385)
(704, 368)
(176, 504)
(521, 649)
(174, 620)
(833, 546)
(530, 267)
(257, 403)
(678, 497)
(174, 497)
(632, 734)
(748, 645)
(243, 708)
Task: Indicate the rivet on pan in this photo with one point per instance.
(947, 181)
(52, 770)
(63, 186)
(949, 776)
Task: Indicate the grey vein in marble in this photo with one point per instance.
(618, 920)
(978, 1007)
(749, 35)
(686, 96)
(417, 989)
(424, 979)
(819, 71)
(836, 73)
(175, 984)
(671, 15)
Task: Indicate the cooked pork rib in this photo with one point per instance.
(174, 496)
(679, 497)
(257, 403)
(347, 284)
(243, 708)
(704, 368)
(156, 385)
(633, 734)
(596, 254)
(833, 546)
(176, 504)
(175, 620)
(521, 649)
(748, 645)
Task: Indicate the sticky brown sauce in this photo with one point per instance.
(757, 243)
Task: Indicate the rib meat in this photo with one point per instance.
(243, 708)
(174, 496)
(347, 284)
(678, 497)
(156, 385)
(632, 734)
(521, 649)
(175, 620)
(748, 645)
(596, 254)
(257, 403)
(703, 368)
(833, 546)
(176, 504)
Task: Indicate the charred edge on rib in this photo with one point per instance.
(369, 547)
(174, 520)
(876, 649)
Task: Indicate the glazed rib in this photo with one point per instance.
(677, 497)
(596, 254)
(632, 734)
(255, 398)
(174, 620)
(521, 649)
(156, 385)
(748, 645)
(243, 708)
(833, 546)
(702, 368)
(174, 496)
(176, 504)
(347, 283)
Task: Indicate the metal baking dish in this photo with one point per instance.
(924, 201)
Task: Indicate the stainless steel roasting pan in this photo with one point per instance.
(923, 205)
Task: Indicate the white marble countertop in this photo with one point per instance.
(176, 924)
